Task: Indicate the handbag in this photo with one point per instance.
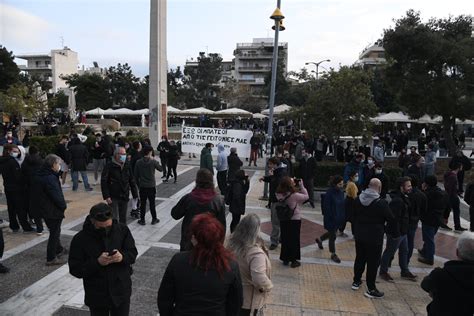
(283, 210)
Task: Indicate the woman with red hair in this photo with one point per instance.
(205, 280)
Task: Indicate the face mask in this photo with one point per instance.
(59, 168)
(123, 158)
(356, 179)
(370, 161)
(378, 171)
(14, 155)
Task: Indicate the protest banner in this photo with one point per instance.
(193, 139)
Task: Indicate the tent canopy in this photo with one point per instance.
(233, 111)
(96, 111)
(393, 117)
(259, 116)
(278, 109)
(197, 111)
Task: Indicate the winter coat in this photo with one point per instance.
(452, 289)
(466, 163)
(369, 173)
(349, 203)
(379, 154)
(239, 189)
(29, 168)
(194, 203)
(307, 168)
(418, 204)
(234, 164)
(400, 206)
(145, 172)
(255, 142)
(189, 290)
(295, 200)
(385, 184)
(222, 164)
(117, 182)
(134, 157)
(163, 148)
(430, 162)
(437, 203)
(172, 156)
(104, 286)
(415, 171)
(255, 270)
(333, 208)
(62, 152)
(354, 166)
(49, 197)
(13, 178)
(98, 152)
(274, 180)
(79, 157)
(206, 160)
(451, 183)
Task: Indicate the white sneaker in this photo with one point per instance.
(4, 224)
(65, 186)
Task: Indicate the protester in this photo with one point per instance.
(403, 161)
(466, 164)
(172, 162)
(277, 172)
(63, 153)
(9, 139)
(14, 186)
(205, 280)
(206, 158)
(452, 287)
(255, 142)
(202, 199)
(29, 168)
(145, 178)
(379, 152)
(102, 254)
(416, 170)
(116, 183)
(51, 203)
(418, 205)
(397, 232)
(254, 265)
(431, 217)
(234, 163)
(294, 194)
(371, 213)
(413, 156)
(451, 186)
(98, 157)
(352, 192)
(334, 215)
(135, 153)
(368, 171)
(356, 164)
(379, 174)
(163, 148)
(79, 158)
(469, 198)
(430, 161)
(236, 196)
(307, 166)
(221, 168)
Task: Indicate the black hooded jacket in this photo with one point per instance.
(109, 285)
(452, 289)
(437, 203)
(47, 192)
(400, 206)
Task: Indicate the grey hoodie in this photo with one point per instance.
(222, 164)
(368, 196)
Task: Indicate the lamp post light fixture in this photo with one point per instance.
(278, 17)
(317, 65)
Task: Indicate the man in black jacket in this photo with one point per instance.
(397, 232)
(14, 184)
(79, 158)
(234, 163)
(63, 153)
(163, 148)
(50, 200)
(102, 254)
(469, 198)
(418, 204)
(370, 214)
(431, 218)
(116, 183)
(307, 169)
(452, 287)
(459, 157)
(98, 156)
(29, 168)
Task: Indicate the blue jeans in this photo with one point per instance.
(428, 249)
(411, 241)
(75, 180)
(394, 244)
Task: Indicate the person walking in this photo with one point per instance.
(466, 164)
(206, 158)
(277, 170)
(29, 168)
(469, 198)
(135, 153)
(116, 183)
(254, 265)
(451, 186)
(172, 161)
(371, 214)
(294, 194)
(352, 192)
(255, 142)
(163, 148)
(430, 161)
(379, 154)
(238, 189)
(202, 199)
(418, 205)
(63, 153)
(205, 280)
(102, 255)
(307, 166)
(356, 164)
(46, 188)
(334, 215)
(221, 168)
(98, 157)
(397, 232)
(234, 163)
(145, 178)
(431, 217)
(79, 157)
(14, 188)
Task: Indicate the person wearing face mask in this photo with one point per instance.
(352, 192)
(369, 171)
(79, 158)
(51, 203)
(102, 255)
(14, 184)
(9, 139)
(116, 183)
(379, 174)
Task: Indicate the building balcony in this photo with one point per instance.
(30, 68)
(255, 82)
(255, 69)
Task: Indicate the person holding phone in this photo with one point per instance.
(102, 254)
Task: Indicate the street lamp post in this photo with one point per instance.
(278, 17)
(317, 65)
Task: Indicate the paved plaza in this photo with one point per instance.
(318, 287)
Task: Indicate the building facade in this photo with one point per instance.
(372, 56)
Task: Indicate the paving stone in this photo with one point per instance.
(165, 190)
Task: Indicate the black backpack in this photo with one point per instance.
(283, 210)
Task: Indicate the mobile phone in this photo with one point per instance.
(111, 253)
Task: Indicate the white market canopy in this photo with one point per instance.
(197, 111)
(259, 116)
(393, 117)
(278, 109)
(96, 111)
(233, 111)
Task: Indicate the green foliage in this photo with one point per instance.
(20, 101)
(123, 86)
(9, 71)
(45, 144)
(282, 86)
(92, 91)
(58, 101)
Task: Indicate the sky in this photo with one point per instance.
(117, 31)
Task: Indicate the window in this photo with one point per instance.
(38, 63)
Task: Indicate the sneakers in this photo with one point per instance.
(386, 277)
(459, 229)
(141, 222)
(342, 234)
(373, 294)
(155, 221)
(408, 276)
(320, 243)
(29, 230)
(56, 262)
(89, 189)
(295, 264)
(445, 227)
(3, 269)
(273, 247)
(65, 186)
(425, 261)
(356, 285)
(4, 224)
(335, 258)
(165, 181)
(135, 214)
